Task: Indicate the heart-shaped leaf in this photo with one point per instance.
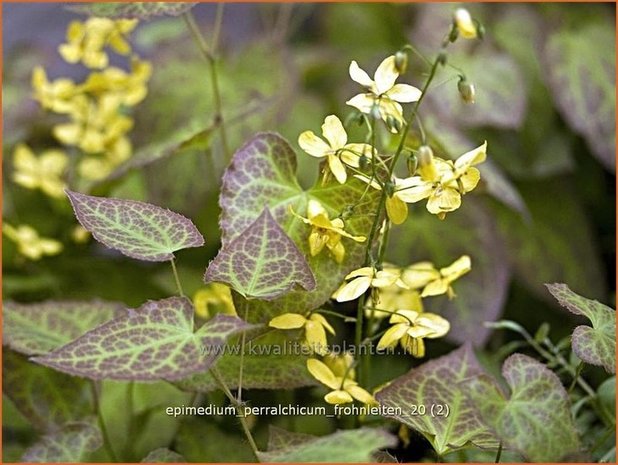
(263, 174)
(34, 329)
(262, 262)
(536, 419)
(343, 446)
(140, 10)
(69, 444)
(45, 397)
(581, 75)
(597, 344)
(435, 386)
(155, 341)
(137, 229)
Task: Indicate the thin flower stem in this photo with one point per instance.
(176, 278)
(243, 339)
(499, 453)
(217, 28)
(239, 413)
(211, 59)
(107, 443)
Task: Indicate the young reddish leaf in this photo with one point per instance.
(597, 344)
(536, 420)
(155, 341)
(356, 445)
(435, 386)
(34, 329)
(137, 229)
(69, 444)
(45, 397)
(163, 455)
(263, 174)
(262, 262)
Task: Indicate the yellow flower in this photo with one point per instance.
(363, 278)
(341, 365)
(86, 41)
(391, 299)
(79, 234)
(315, 328)
(129, 88)
(212, 299)
(325, 232)
(335, 149)
(410, 328)
(43, 172)
(465, 24)
(29, 243)
(382, 91)
(344, 390)
(57, 95)
(425, 276)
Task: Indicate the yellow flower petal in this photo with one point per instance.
(438, 287)
(361, 395)
(405, 316)
(317, 241)
(316, 337)
(337, 250)
(360, 76)
(396, 209)
(439, 326)
(351, 153)
(313, 145)
(337, 168)
(471, 158)
(457, 269)
(288, 321)
(404, 93)
(470, 179)
(465, 25)
(318, 318)
(315, 208)
(392, 335)
(338, 397)
(419, 274)
(352, 290)
(412, 189)
(362, 102)
(443, 199)
(364, 271)
(386, 75)
(333, 131)
(322, 373)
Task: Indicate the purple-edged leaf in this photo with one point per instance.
(263, 174)
(581, 75)
(597, 344)
(45, 397)
(481, 293)
(163, 455)
(140, 10)
(266, 364)
(262, 262)
(437, 383)
(137, 229)
(72, 443)
(279, 438)
(536, 419)
(155, 341)
(355, 445)
(34, 329)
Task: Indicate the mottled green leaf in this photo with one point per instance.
(140, 10)
(156, 341)
(435, 386)
(137, 229)
(37, 328)
(581, 73)
(343, 446)
(72, 443)
(263, 174)
(279, 438)
(262, 262)
(556, 244)
(269, 362)
(535, 419)
(45, 397)
(481, 293)
(163, 455)
(597, 344)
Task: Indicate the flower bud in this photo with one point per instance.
(412, 163)
(466, 90)
(363, 161)
(426, 167)
(465, 24)
(389, 188)
(393, 124)
(401, 61)
(442, 58)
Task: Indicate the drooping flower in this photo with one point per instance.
(212, 299)
(315, 328)
(344, 390)
(341, 365)
(358, 281)
(325, 232)
(425, 276)
(410, 328)
(335, 149)
(387, 300)
(86, 41)
(465, 25)
(43, 172)
(381, 91)
(29, 243)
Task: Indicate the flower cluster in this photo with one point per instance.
(315, 326)
(29, 243)
(338, 376)
(97, 108)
